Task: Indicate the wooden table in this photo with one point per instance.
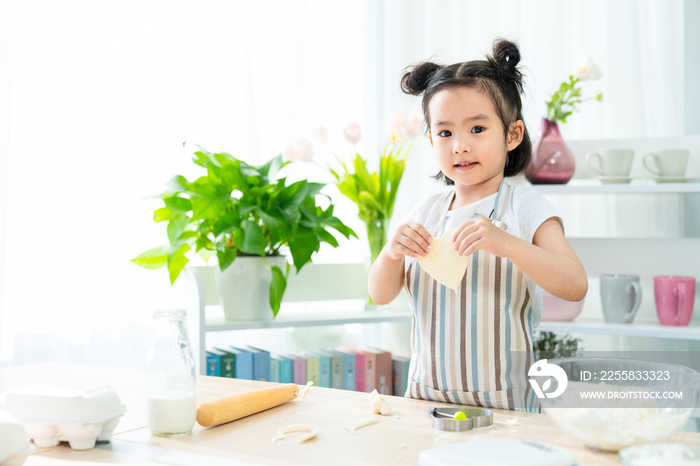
(248, 440)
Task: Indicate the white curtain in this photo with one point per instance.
(103, 94)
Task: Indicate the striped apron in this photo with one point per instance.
(461, 341)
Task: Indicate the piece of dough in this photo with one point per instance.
(312, 431)
(443, 263)
(377, 404)
(352, 426)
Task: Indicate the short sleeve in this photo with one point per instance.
(533, 210)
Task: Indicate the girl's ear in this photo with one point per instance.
(515, 135)
(431, 139)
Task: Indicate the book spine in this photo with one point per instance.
(359, 372)
(274, 370)
(213, 365)
(228, 365)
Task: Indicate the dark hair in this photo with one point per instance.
(497, 76)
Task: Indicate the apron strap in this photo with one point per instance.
(502, 198)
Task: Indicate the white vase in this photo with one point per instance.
(244, 287)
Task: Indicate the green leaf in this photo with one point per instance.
(162, 214)
(177, 184)
(293, 194)
(254, 239)
(277, 287)
(227, 222)
(302, 245)
(208, 202)
(226, 257)
(153, 258)
(206, 254)
(176, 227)
(178, 204)
(271, 167)
(326, 236)
(176, 265)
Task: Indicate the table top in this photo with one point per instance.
(248, 440)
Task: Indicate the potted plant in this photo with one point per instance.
(549, 345)
(552, 161)
(246, 217)
(374, 193)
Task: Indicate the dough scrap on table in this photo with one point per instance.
(352, 426)
(311, 429)
(377, 404)
(304, 389)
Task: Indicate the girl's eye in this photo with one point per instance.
(445, 131)
(480, 129)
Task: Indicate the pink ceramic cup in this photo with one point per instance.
(675, 297)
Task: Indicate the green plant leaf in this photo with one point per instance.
(206, 254)
(277, 287)
(154, 258)
(162, 214)
(302, 245)
(326, 236)
(227, 223)
(176, 227)
(178, 204)
(207, 202)
(177, 184)
(226, 257)
(254, 239)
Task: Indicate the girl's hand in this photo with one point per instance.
(481, 234)
(411, 239)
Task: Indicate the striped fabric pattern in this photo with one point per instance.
(461, 340)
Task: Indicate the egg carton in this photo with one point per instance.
(14, 447)
(78, 414)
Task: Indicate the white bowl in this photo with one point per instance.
(614, 424)
(557, 310)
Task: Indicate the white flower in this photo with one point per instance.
(320, 134)
(352, 133)
(415, 121)
(587, 70)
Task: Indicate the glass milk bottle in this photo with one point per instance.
(170, 376)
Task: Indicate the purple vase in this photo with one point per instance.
(552, 161)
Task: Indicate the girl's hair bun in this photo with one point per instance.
(506, 57)
(416, 81)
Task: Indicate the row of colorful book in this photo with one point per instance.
(348, 368)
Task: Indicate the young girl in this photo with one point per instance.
(463, 341)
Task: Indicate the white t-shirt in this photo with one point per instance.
(524, 214)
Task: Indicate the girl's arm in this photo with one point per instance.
(549, 261)
(385, 278)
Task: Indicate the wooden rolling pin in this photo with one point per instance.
(229, 408)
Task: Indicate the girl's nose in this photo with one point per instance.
(462, 147)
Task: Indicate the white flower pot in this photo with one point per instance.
(244, 287)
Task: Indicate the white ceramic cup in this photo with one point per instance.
(613, 162)
(670, 162)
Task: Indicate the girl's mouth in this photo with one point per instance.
(466, 166)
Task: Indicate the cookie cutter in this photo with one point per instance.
(476, 417)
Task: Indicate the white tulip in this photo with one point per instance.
(587, 70)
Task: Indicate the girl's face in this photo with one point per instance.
(467, 136)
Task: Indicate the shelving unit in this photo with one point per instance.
(594, 187)
(649, 329)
